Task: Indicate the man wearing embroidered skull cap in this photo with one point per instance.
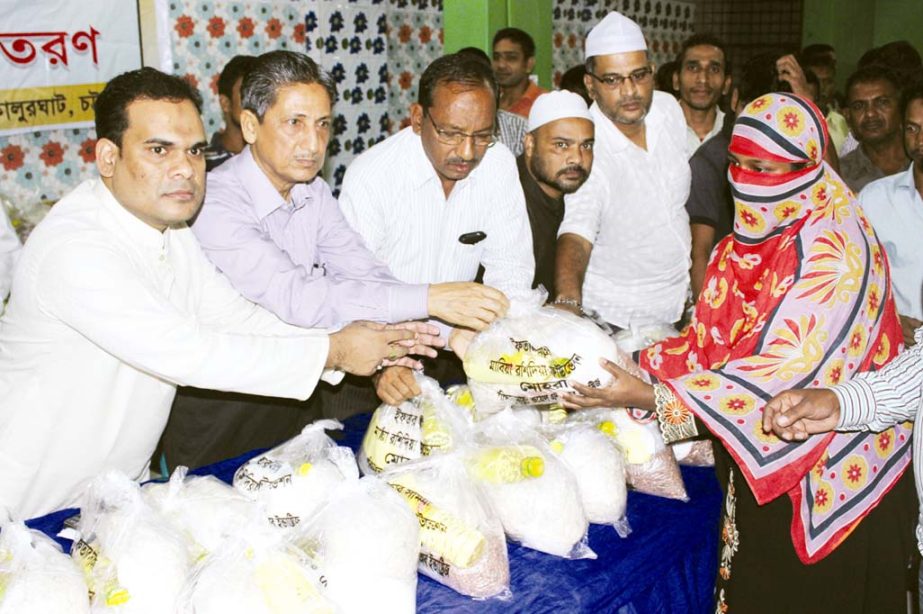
(624, 245)
(556, 160)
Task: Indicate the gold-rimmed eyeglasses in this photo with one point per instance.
(455, 138)
(614, 81)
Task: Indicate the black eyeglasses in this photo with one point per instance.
(638, 77)
(455, 138)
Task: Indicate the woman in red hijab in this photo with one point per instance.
(798, 296)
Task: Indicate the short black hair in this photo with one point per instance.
(111, 106)
(818, 54)
(520, 37)
(572, 81)
(237, 67)
(870, 74)
(274, 70)
(475, 52)
(462, 68)
(900, 56)
(758, 77)
(704, 38)
(910, 93)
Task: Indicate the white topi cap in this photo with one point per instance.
(614, 34)
(556, 105)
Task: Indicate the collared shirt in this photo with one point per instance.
(299, 259)
(394, 198)
(710, 201)
(545, 215)
(512, 128)
(876, 400)
(895, 209)
(9, 254)
(632, 209)
(107, 316)
(857, 170)
(524, 104)
(215, 153)
(693, 142)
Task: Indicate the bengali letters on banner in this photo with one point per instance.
(52, 70)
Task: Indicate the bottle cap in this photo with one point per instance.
(533, 466)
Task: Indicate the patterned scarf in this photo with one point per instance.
(798, 296)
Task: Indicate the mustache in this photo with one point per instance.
(460, 160)
(631, 100)
(575, 168)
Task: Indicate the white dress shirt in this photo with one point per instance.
(876, 400)
(632, 209)
(9, 254)
(107, 316)
(393, 197)
(693, 142)
(895, 209)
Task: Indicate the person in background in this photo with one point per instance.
(663, 78)
(800, 293)
(624, 244)
(873, 97)
(441, 198)
(512, 127)
(557, 160)
(513, 62)
(9, 254)
(273, 227)
(702, 77)
(572, 81)
(820, 60)
(894, 205)
(229, 141)
(114, 305)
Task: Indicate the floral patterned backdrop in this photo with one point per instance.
(666, 24)
(376, 50)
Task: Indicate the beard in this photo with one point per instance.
(557, 179)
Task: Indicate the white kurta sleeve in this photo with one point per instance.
(94, 289)
(583, 209)
(9, 254)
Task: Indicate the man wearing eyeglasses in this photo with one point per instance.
(702, 78)
(441, 198)
(624, 244)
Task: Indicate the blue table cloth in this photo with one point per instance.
(667, 564)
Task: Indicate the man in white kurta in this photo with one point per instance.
(9, 254)
(624, 244)
(114, 304)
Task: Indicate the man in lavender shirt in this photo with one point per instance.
(275, 230)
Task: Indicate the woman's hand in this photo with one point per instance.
(626, 390)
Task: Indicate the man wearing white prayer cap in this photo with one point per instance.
(624, 244)
(556, 160)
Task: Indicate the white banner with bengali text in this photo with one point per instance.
(57, 55)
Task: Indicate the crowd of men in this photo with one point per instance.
(253, 279)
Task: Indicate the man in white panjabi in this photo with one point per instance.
(114, 304)
(624, 244)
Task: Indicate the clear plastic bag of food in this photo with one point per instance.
(462, 544)
(531, 356)
(366, 542)
(599, 468)
(256, 572)
(294, 479)
(694, 453)
(36, 577)
(632, 339)
(427, 424)
(650, 465)
(135, 560)
(531, 490)
(206, 509)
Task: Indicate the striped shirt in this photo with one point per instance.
(393, 197)
(512, 129)
(877, 400)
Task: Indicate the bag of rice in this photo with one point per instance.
(427, 424)
(203, 507)
(650, 465)
(295, 478)
(533, 493)
(366, 542)
(255, 573)
(694, 453)
(36, 577)
(530, 357)
(598, 466)
(136, 562)
(461, 541)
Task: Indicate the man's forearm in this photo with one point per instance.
(573, 256)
